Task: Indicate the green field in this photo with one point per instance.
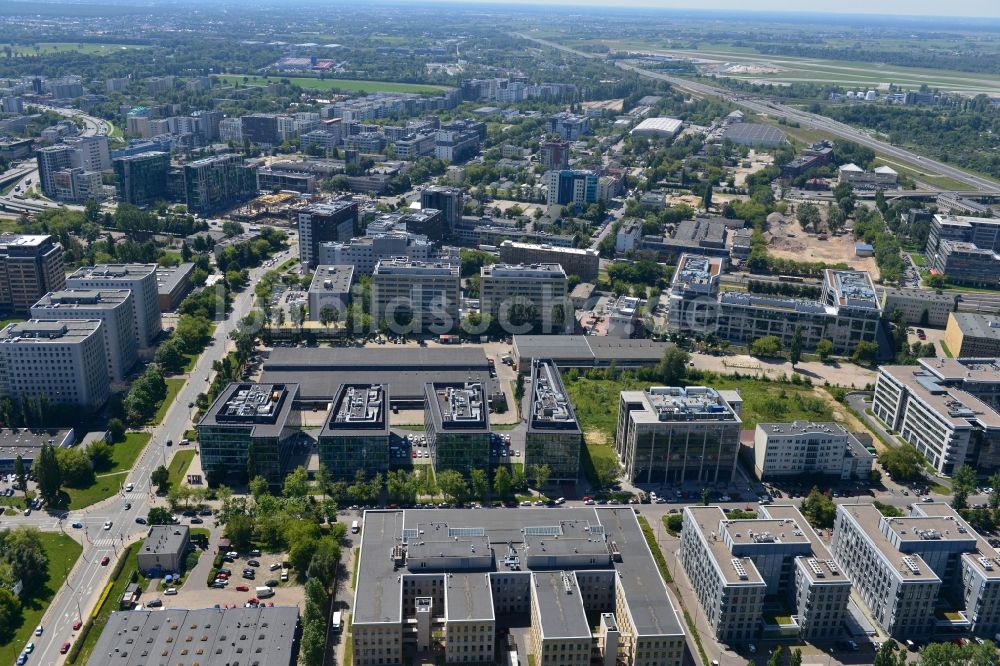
(174, 385)
(110, 481)
(43, 48)
(179, 465)
(332, 84)
(62, 552)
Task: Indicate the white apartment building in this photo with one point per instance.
(805, 447)
(114, 307)
(65, 361)
(364, 252)
(504, 289)
(416, 296)
(140, 279)
(948, 425)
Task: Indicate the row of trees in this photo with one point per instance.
(72, 467)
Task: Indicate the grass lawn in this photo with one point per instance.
(179, 465)
(918, 259)
(174, 385)
(62, 552)
(945, 350)
(12, 320)
(124, 453)
(21, 50)
(332, 84)
(104, 487)
(109, 603)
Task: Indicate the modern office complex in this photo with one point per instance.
(449, 200)
(972, 335)
(553, 437)
(416, 296)
(948, 425)
(672, 434)
(30, 266)
(581, 262)
(568, 186)
(807, 448)
(250, 430)
(847, 312)
(223, 635)
(330, 286)
(920, 307)
(65, 361)
(442, 582)
(71, 171)
(364, 252)
(331, 221)
(140, 279)
(739, 567)
(141, 180)
(115, 307)
(979, 377)
(356, 433)
(526, 295)
(215, 183)
(925, 574)
(965, 249)
(457, 426)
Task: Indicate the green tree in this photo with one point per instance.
(706, 496)
(824, 348)
(453, 486)
(819, 509)
(903, 462)
(20, 477)
(889, 655)
(75, 467)
(672, 367)
(776, 656)
(809, 216)
(22, 549)
(963, 482)
(480, 484)
(796, 658)
(259, 487)
(865, 353)
(239, 530)
(161, 479)
(49, 478)
(327, 315)
(116, 429)
(768, 345)
(159, 515)
(994, 483)
(10, 613)
(541, 474)
(296, 483)
(795, 352)
(502, 482)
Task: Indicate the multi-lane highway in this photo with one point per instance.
(88, 578)
(811, 120)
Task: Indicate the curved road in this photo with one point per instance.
(86, 581)
(812, 120)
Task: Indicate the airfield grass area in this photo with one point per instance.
(334, 84)
(48, 48)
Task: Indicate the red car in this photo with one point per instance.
(242, 588)
(222, 576)
(77, 625)
(64, 649)
(105, 560)
(253, 600)
(413, 454)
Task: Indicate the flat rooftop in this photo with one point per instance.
(458, 407)
(358, 409)
(550, 405)
(49, 332)
(414, 267)
(9, 240)
(332, 279)
(168, 278)
(958, 408)
(469, 597)
(551, 248)
(264, 407)
(967, 221)
(113, 271)
(977, 326)
(27, 442)
(78, 299)
(693, 270)
(804, 427)
(853, 289)
(676, 403)
(328, 208)
(978, 370)
(586, 350)
(710, 521)
(262, 636)
(165, 539)
(378, 597)
(983, 557)
(560, 605)
(532, 271)
(907, 567)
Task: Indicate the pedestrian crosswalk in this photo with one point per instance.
(105, 542)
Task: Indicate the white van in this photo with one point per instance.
(264, 592)
(355, 528)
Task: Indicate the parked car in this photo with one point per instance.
(253, 563)
(38, 630)
(108, 524)
(242, 588)
(170, 591)
(154, 603)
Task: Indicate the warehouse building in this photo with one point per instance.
(27, 443)
(586, 351)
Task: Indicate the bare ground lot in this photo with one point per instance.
(787, 240)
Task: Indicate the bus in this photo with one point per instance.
(336, 623)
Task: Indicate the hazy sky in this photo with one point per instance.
(990, 8)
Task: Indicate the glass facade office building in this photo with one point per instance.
(456, 424)
(553, 437)
(356, 434)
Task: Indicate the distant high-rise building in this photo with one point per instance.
(218, 182)
(142, 179)
(325, 222)
(51, 160)
(261, 129)
(449, 200)
(89, 152)
(571, 186)
(30, 266)
(555, 155)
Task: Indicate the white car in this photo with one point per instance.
(38, 630)
(107, 524)
(129, 487)
(170, 591)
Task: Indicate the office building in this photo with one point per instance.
(164, 550)
(581, 262)
(221, 635)
(270, 179)
(231, 130)
(457, 426)
(554, 155)
(330, 221)
(364, 252)
(804, 448)
(172, 285)
(261, 129)
(449, 200)
(979, 377)
(12, 104)
(51, 160)
(330, 287)
(90, 153)
(964, 248)
(450, 574)
(76, 185)
(356, 433)
(569, 127)
(114, 307)
(706, 236)
(27, 444)
(140, 279)
(30, 266)
(571, 186)
(141, 180)
(416, 296)
(920, 307)
(735, 566)
(672, 434)
(553, 437)
(879, 178)
(692, 299)
(972, 335)
(928, 573)
(624, 317)
(216, 183)
(947, 424)
(524, 296)
(456, 144)
(65, 361)
(250, 430)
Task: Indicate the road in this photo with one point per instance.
(809, 120)
(88, 578)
